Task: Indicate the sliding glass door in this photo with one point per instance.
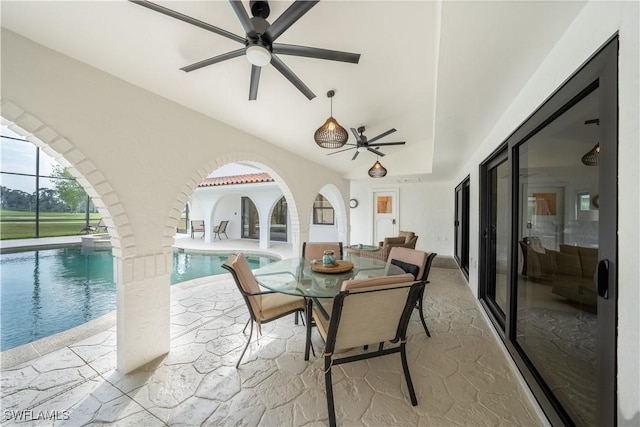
(496, 235)
(461, 226)
(549, 242)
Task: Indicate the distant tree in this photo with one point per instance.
(16, 200)
(68, 188)
(50, 201)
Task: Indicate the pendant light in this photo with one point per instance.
(592, 157)
(377, 170)
(331, 134)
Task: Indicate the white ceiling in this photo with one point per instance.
(435, 71)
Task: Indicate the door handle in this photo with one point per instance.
(602, 278)
(393, 221)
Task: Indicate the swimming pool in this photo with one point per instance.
(44, 292)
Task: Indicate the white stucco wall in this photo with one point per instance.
(597, 22)
(140, 156)
(426, 208)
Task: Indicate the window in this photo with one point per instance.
(278, 229)
(38, 197)
(323, 213)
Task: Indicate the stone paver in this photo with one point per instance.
(461, 375)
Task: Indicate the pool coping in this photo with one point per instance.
(18, 355)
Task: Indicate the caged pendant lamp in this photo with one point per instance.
(592, 157)
(331, 134)
(377, 170)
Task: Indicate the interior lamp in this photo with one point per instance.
(377, 170)
(258, 55)
(592, 157)
(331, 134)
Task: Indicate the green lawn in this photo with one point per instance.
(21, 224)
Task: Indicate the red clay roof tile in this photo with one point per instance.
(251, 178)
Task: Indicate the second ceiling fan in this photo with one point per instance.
(259, 47)
(363, 142)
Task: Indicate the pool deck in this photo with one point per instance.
(461, 374)
(63, 339)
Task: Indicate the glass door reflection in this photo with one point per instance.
(557, 319)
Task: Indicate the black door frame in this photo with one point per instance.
(461, 229)
(601, 71)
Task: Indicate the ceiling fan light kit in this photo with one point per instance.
(377, 170)
(331, 134)
(258, 55)
(259, 43)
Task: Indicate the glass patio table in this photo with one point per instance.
(295, 276)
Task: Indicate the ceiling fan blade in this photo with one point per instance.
(214, 60)
(288, 18)
(315, 52)
(188, 20)
(242, 15)
(255, 80)
(378, 153)
(340, 151)
(355, 155)
(380, 144)
(356, 134)
(382, 135)
(286, 71)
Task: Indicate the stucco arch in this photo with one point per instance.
(334, 196)
(104, 198)
(245, 158)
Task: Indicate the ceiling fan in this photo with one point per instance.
(259, 47)
(363, 142)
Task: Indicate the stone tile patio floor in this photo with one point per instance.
(461, 375)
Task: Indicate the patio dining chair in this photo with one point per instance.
(197, 226)
(367, 311)
(417, 263)
(315, 250)
(220, 229)
(263, 306)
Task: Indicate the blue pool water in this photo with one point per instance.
(44, 292)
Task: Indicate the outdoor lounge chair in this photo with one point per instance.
(263, 306)
(367, 311)
(405, 239)
(221, 228)
(99, 227)
(417, 263)
(197, 226)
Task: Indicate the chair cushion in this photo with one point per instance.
(412, 257)
(315, 250)
(376, 281)
(394, 240)
(276, 304)
(408, 235)
(247, 279)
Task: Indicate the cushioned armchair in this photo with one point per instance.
(406, 239)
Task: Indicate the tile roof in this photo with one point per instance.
(251, 178)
